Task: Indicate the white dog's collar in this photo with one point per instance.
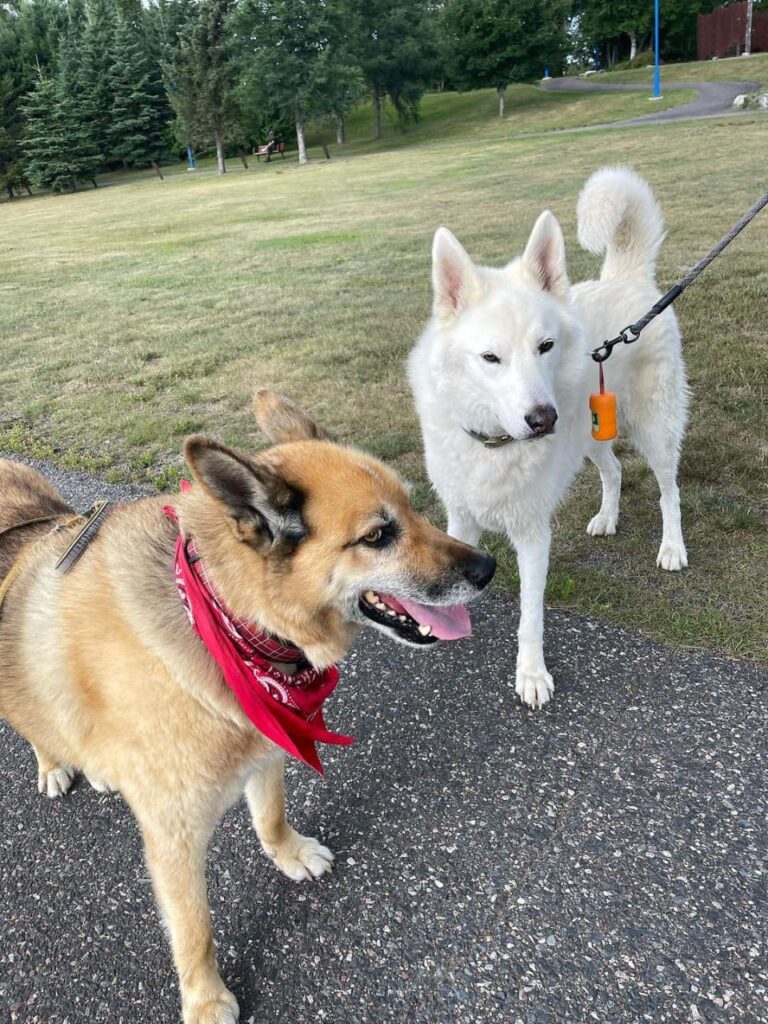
(489, 441)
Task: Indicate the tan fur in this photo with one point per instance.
(100, 669)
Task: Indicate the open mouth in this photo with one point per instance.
(418, 624)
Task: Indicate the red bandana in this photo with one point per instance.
(287, 709)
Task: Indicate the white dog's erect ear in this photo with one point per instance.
(544, 256)
(454, 278)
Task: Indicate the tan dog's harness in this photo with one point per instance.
(89, 524)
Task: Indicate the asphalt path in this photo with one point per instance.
(601, 860)
(713, 100)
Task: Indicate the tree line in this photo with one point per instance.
(93, 85)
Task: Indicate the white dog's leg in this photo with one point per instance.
(659, 443)
(299, 857)
(463, 527)
(601, 453)
(533, 683)
(672, 554)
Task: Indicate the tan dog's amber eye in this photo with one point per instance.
(374, 536)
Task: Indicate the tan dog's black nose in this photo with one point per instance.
(542, 419)
(479, 569)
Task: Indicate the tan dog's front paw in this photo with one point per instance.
(56, 781)
(223, 1009)
(301, 858)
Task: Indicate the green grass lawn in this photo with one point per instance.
(734, 69)
(132, 315)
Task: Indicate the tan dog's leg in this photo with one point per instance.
(299, 857)
(52, 779)
(176, 860)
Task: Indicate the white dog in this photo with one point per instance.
(501, 378)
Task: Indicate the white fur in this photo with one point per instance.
(508, 312)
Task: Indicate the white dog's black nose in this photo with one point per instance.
(542, 419)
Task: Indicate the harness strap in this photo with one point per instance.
(30, 522)
(89, 523)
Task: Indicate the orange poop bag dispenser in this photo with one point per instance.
(602, 405)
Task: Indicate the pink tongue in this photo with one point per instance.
(448, 622)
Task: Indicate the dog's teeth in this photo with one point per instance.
(425, 630)
(370, 597)
(402, 618)
(381, 606)
(391, 611)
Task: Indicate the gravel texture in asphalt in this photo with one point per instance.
(601, 860)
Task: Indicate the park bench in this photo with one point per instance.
(269, 149)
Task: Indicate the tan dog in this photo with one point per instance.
(100, 668)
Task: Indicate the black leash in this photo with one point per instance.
(632, 333)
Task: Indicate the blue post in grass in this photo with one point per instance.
(191, 159)
(656, 76)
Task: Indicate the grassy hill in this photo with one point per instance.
(733, 69)
(451, 117)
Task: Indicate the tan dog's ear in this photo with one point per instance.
(263, 509)
(282, 421)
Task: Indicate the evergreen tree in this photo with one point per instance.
(95, 78)
(76, 111)
(45, 144)
(136, 134)
(495, 42)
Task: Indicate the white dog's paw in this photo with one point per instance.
(301, 858)
(534, 687)
(602, 525)
(223, 1009)
(672, 556)
(56, 781)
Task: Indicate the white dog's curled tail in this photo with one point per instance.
(618, 215)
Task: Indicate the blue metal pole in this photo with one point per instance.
(656, 76)
(191, 159)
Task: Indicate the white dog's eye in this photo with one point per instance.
(491, 357)
(546, 345)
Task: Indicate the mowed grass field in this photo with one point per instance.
(132, 315)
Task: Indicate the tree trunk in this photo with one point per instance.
(9, 189)
(632, 45)
(156, 169)
(502, 91)
(341, 130)
(303, 158)
(376, 114)
(218, 138)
